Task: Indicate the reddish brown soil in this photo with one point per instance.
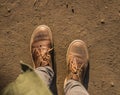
(97, 22)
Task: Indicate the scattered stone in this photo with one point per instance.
(119, 13)
(73, 11)
(103, 80)
(9, 10)
(34, 2)
(96, 26)
(112, 84)
(106, 7)
(8, 32)
(66, 5)
(102, 21)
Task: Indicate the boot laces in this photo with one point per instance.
(75, 65)
(41, 56)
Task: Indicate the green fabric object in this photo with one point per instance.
(27, 83)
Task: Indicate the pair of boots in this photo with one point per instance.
(41, 46)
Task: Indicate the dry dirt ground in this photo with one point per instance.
(97, 22)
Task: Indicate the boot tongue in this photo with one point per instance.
(44, 50)
(76, 64)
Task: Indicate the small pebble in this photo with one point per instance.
(9, 10)
(72, 10)
(119, 14)
(8, 32)
(106, 7)
(66, 5)
(112, 84)
(102, 21)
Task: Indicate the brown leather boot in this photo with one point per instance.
(77, 60)
(40, 46)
